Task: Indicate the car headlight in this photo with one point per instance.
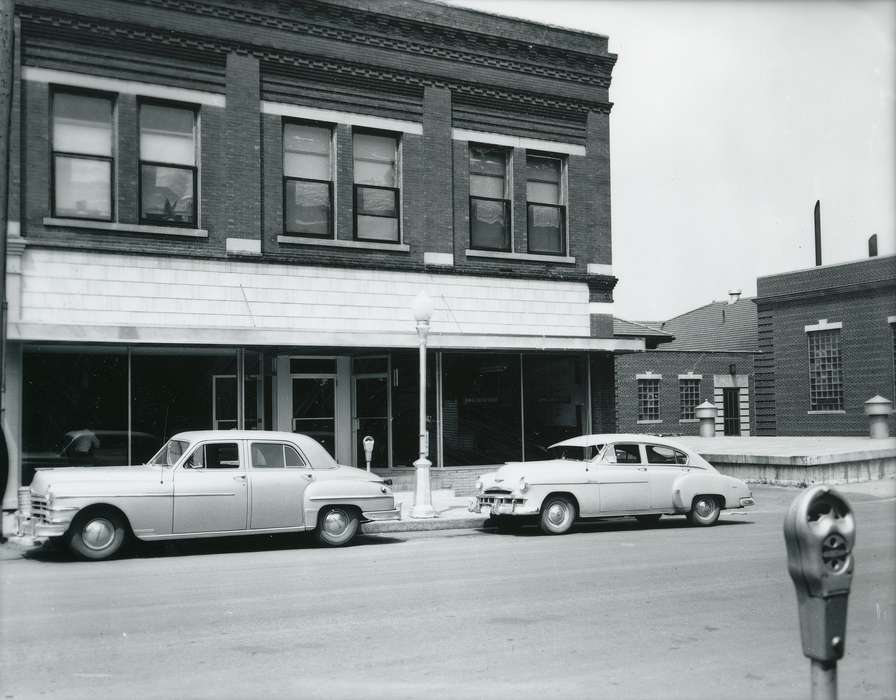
(479, 486)
(51, 500)
(523, 484)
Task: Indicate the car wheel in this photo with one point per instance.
(650, 519)
(337, 526)
(97, 535)
(557, 515)
(705, 510)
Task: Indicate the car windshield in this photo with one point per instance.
(172, 451)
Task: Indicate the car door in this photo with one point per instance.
(278, 477)
(210, 489)
(622, 480)
(664, 465)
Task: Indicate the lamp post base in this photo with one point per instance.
(422, 493)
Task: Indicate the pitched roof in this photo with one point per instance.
(638, 328)
(715, 327)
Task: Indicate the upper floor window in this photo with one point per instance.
(376, 187)
(825, 371)
(167, 164)
(489, 200)
(689, 397)
(648, 399)
(308, 180)
(545, 209)
(82, 156)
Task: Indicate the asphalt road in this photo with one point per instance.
(608, 611)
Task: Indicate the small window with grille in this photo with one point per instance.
(689, 397)
(648, 399)
(825, 371)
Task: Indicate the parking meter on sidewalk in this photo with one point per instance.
(820, 533)
(368, 449)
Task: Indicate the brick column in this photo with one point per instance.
(437, 185)
(518, 201)
(344, 203)
(242, 134)
(127, 164)
(597, 145)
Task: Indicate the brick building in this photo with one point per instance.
(828, 341)
(221, 213)
(706, 354)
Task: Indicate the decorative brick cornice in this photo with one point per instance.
(378, 30)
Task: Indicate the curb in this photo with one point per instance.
(376, 528)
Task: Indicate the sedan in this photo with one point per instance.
(207, 484)
(621, 475)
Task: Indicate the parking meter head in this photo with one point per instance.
(368, 447)
(820, 532)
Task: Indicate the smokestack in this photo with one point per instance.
(872, 246)
(733, 295)
(817, 232)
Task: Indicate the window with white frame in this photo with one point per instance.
(167, 164)
(489, 198)
(83, 155)
(825, 371)
(689, 397)
(648, 399)
(376, 187)
(308, 179)
(545, 205)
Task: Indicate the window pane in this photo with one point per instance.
(292, 457)
(82, 124)
(374, 173)
(825, 371)
(555, 401)
(376, 202)
(303, 138)
(487, 186)
(648, 399)
(488, 225)
(545, 229)
(377, 228)
(267, 455)
(310, 365)
(166, 135)
(83, 188)
(166, 194)
(488, 160)
(543, 192)
(689, 396)
(627, 454)
(543, 169)
(309, 166)
(308, 207)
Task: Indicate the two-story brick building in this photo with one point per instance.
(221, 212)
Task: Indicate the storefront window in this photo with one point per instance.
(74, 409)
(481, 409)
(406, 408)
(555, 401)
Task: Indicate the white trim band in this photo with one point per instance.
(336, 117)
(130, 87)
(442, 259)
(572, 149)
(689, 375)
(126, 228)
(531, 257)
(600, 307)
(648, 375)
(334, 243)
(600, 269)
(891, 319)
(244, 246)
(823, 325)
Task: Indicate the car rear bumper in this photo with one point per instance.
(377, 515)
(747, 501)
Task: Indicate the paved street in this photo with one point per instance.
(609, 611)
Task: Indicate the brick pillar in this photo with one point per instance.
(127, 163)
(437, 158)
(344, 204)
(518, 201)
(242, 134)
(597, 145)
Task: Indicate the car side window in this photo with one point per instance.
(270, 454)
(214, 455)
(627, 454)
(660, 454)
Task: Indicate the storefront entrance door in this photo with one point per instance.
(370, 416)
(314, 409)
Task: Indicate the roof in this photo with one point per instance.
(716, 327)
(637, 328)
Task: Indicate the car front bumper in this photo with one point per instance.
(502, 505)
(377, 515)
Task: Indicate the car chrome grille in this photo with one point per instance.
(494, 500)
(39, 510)
(498, 491)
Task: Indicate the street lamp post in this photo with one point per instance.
(422, 491)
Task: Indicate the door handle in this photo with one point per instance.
(310, 477)
(642, 469)
(239, 477)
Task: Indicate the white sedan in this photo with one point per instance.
(630, 475)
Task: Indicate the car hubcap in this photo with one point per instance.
(705, 508)
(557, 513)
(98, 534)
(335, 522)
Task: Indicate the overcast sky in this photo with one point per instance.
(730, 119)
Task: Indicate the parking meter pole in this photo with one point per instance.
(823, 678)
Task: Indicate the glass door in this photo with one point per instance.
(314, 409)
(370, 403)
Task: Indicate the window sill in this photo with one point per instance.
(822, 413)
(126, 228)
(649, 422)
(333, 243)
(688, 420)
(525, 257)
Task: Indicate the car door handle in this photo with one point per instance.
(642, 469)
(239, 477)
(310, 477)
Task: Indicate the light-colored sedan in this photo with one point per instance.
(208, 484)
(639, 475)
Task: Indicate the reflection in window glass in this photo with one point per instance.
(167, 164)
(627, 454)
(489, 203)
(376, 187)
(545, 210)
(307, 171)
(556, 401)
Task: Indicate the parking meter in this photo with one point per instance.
(820, 533)
(368, 449)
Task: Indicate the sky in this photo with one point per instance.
(730, 119)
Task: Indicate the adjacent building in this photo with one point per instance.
(221, 213)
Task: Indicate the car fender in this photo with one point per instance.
(694, 483)
(364, 495)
